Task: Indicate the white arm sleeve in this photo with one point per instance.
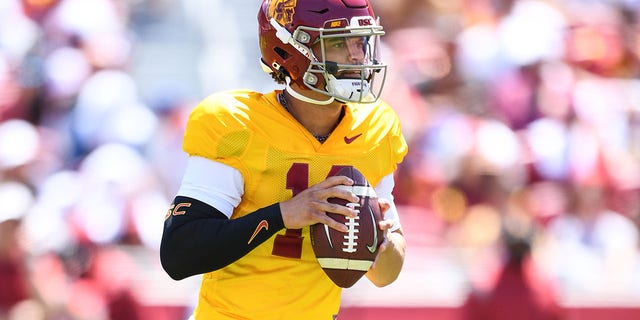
(383, 190)
(213, 183)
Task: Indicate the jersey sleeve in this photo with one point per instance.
(397, 142)
(217, 130)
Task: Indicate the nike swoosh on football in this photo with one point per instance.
(348, 140)
(373, 247)
(326, 231)
(262, 225)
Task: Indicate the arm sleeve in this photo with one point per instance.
(212, 182)
(197, 238)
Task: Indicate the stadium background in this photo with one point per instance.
(523, 119)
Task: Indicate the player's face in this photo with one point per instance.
(344, 50)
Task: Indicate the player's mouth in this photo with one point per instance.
(349, 75)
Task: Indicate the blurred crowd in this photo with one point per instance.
(523, 124)
(522, 116)
(87, 163)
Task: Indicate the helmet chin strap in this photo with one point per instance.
(304, 98)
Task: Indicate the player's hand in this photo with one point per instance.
(388, 263)
(384, 225)
(311, 206)
(388, 245)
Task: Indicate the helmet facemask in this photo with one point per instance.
(346, 81)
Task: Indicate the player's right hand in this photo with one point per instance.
(311, 205)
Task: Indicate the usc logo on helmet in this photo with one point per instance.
(366, 22)
(282, 10)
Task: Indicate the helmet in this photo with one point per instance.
(293, 43)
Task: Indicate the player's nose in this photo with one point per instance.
(356, 54)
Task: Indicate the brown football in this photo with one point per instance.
(346, 256)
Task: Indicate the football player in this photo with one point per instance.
(261, 166)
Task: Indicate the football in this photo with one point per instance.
(346, 256)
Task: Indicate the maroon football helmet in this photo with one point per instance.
(289, 30)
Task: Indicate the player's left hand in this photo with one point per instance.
(388, 263)
(385, 225)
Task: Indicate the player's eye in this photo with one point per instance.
(336, 43)
(358, 43)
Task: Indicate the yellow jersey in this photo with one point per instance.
(278, 157)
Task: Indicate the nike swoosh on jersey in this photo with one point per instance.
(373, 247)
(262, 225)
(349, 140)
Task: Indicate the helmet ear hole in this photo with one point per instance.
(281, 52)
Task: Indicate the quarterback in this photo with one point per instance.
(260, 167)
